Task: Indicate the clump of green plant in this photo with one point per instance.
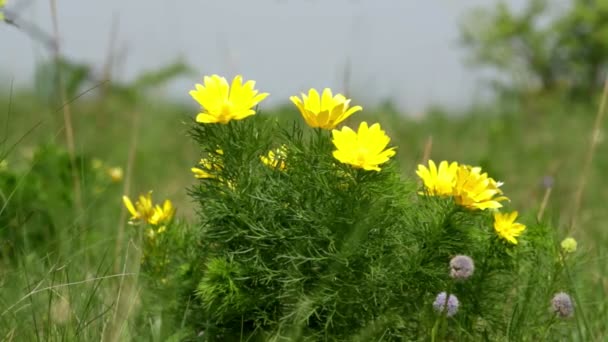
(312, 234)
(37, 199)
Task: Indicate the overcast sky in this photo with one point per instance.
(406, 50)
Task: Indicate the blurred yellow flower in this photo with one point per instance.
(145, 211)
(365, 149)
(3, 165)
(162, 214)
(116, 174)
(276, 158)
(569, 245)
(2, 4)
(222, 103)
(438, 181)
(506, 227)
(325, 111)
(96, 164)
(475, 190)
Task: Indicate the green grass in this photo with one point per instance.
(76, 289)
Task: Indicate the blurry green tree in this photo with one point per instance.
(543, 47)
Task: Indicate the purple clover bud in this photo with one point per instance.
(440, 304)
(548, 182)
(562, 305)
(461, 267)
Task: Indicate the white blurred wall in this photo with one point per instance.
(406, 50)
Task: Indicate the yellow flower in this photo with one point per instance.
(363, 149)
(325, 111)
(222, 103)
(569, 245)
(2, 4)
(96, 163)
(506, 227)
(439, 181)
(144, 210)
(162, 214)
(206, 165)
(116, 174)
(202, 171)
(276, 158)
(475, 190)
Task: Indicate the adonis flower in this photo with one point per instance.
(276, 158)
(145, 211)
(325, 111)
(506, 227)
(475, 190)
(365, 149)
(222, 103)
(468, 185)
(438, 181)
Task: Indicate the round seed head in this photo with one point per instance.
(440, 304)
(562, 305)
(569, 245)
(461, 267)
(548, 182)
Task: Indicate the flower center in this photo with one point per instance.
(226, 111)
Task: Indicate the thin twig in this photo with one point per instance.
(595, 138)
(127, 186)
(543, 204)
(428, 147)
(67, 113)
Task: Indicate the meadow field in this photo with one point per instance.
(65, 267)
(129, 216)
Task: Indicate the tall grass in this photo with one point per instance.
(71, 290)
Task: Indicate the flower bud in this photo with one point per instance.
(569, 245)
(461, 267)
(562, 305)
(440, 304)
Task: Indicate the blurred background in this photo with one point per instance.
(378, 50)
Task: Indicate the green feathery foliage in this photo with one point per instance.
(309, 249)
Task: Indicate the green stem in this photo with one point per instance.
(547, 328)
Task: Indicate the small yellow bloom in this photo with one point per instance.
(206, 165)
(162, 214)
(202, 171)
(569, 245)
(325, 111)
(439, 181)
(145, 211)
(475, 190)
(116, 174)
(276, 158)
(222, 103)
(3, 165)
(506, 227)
(2, 4)
(365, 149)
